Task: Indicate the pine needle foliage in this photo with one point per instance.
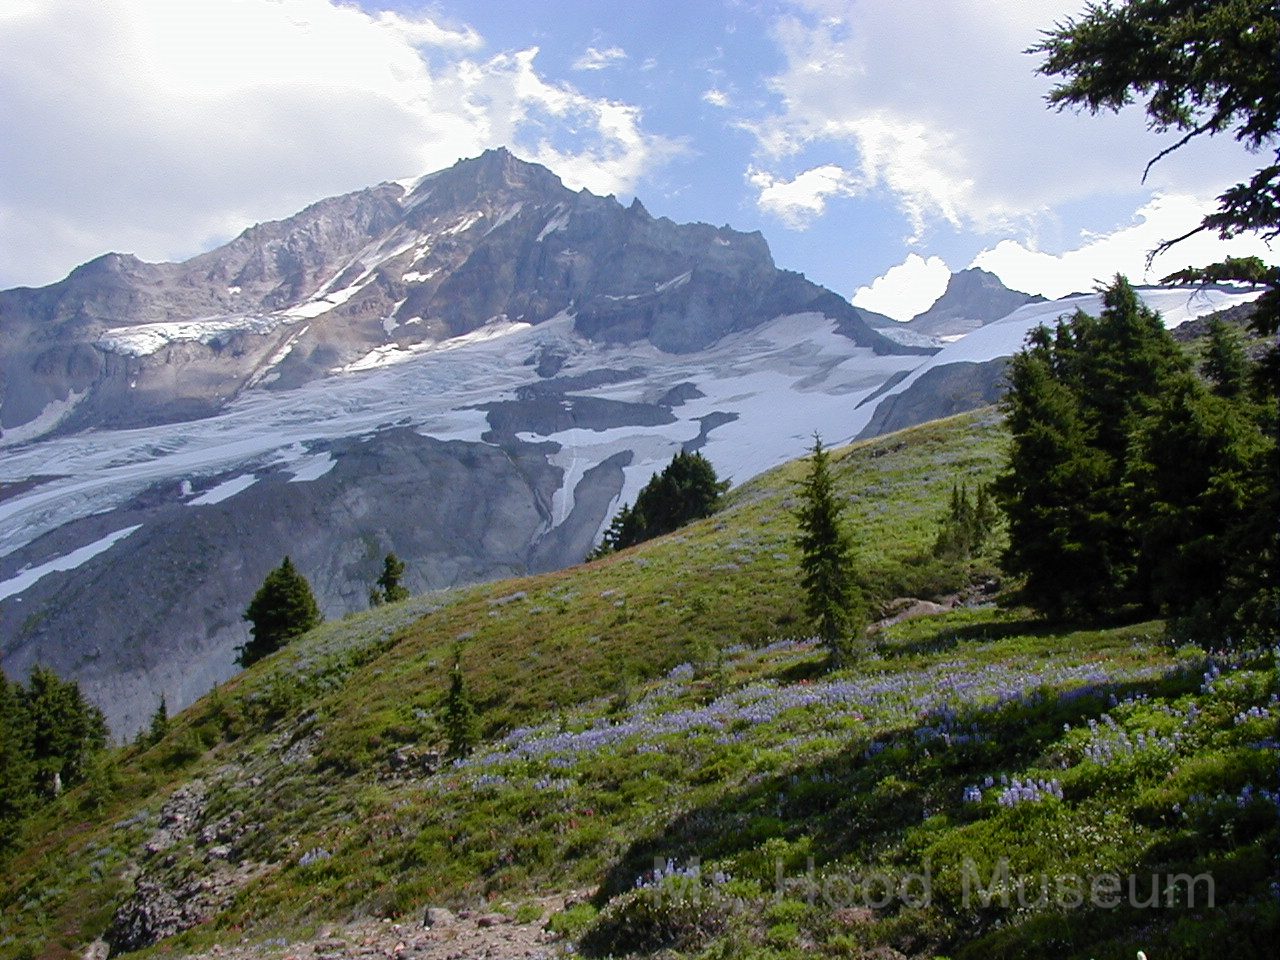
(283, 608)
(832, 599)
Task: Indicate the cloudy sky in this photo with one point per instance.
(877, 144)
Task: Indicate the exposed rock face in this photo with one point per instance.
(973, 297)
(120, 342)
(939, 392)
(161, 611)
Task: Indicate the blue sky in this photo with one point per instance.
(876, 144)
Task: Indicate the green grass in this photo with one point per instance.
(719, 745)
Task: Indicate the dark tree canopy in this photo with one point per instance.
(283, 608)
(49, 736)
(1131, 485)
(832, 599)
(1225, 364)
(686, 490)
(1203, 67)
(1075, 397)
(388, 588)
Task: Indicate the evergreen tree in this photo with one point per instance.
(1195, 482)
(832, 600)
(1075, 398)
(283, 608)
(1047, 487)
(1204, 68)
(460, 721)
(66, 730)
(16, 785)
(388, 588)
(159, 722)
(1225, 364)
(968, 524)
(686, 490)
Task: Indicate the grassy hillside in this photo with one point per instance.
(661, 706)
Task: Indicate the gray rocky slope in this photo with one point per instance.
(472, 370)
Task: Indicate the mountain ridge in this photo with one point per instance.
(386, 267)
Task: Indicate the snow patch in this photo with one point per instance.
(559, 220)
(506, 215)
(674, 282)
(1005, 337)
(144, 339)
(413, 276)
(27, 578)
(465, 224)
(267, 372)
(312, 468)
(224, 491)
(54, 412)
(323, 304)
(393, 353)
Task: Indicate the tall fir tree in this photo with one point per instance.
(283, 608)
(460, 721)
(1225, 364)
(832, 599)
(1194, 479)
(1204, 69)
(1075, 398)
(159, 725)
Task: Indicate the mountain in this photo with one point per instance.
(973, 297)
(372, 276)
(473, 370)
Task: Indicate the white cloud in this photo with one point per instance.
(716, 97)
(1100, 256)
(937, 104)
(906, 290)
(595, 59)
(798, 201)
(160, 128)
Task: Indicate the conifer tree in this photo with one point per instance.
(459, 713)
(968, 524)
(16, 787)
(66, 730)
(686, 490)
(388, 588)
(1075, 398)
(283, 608)
(1194, 476)
(1225, 364)
(1205, 69)
(159, 722)
(832, 599)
